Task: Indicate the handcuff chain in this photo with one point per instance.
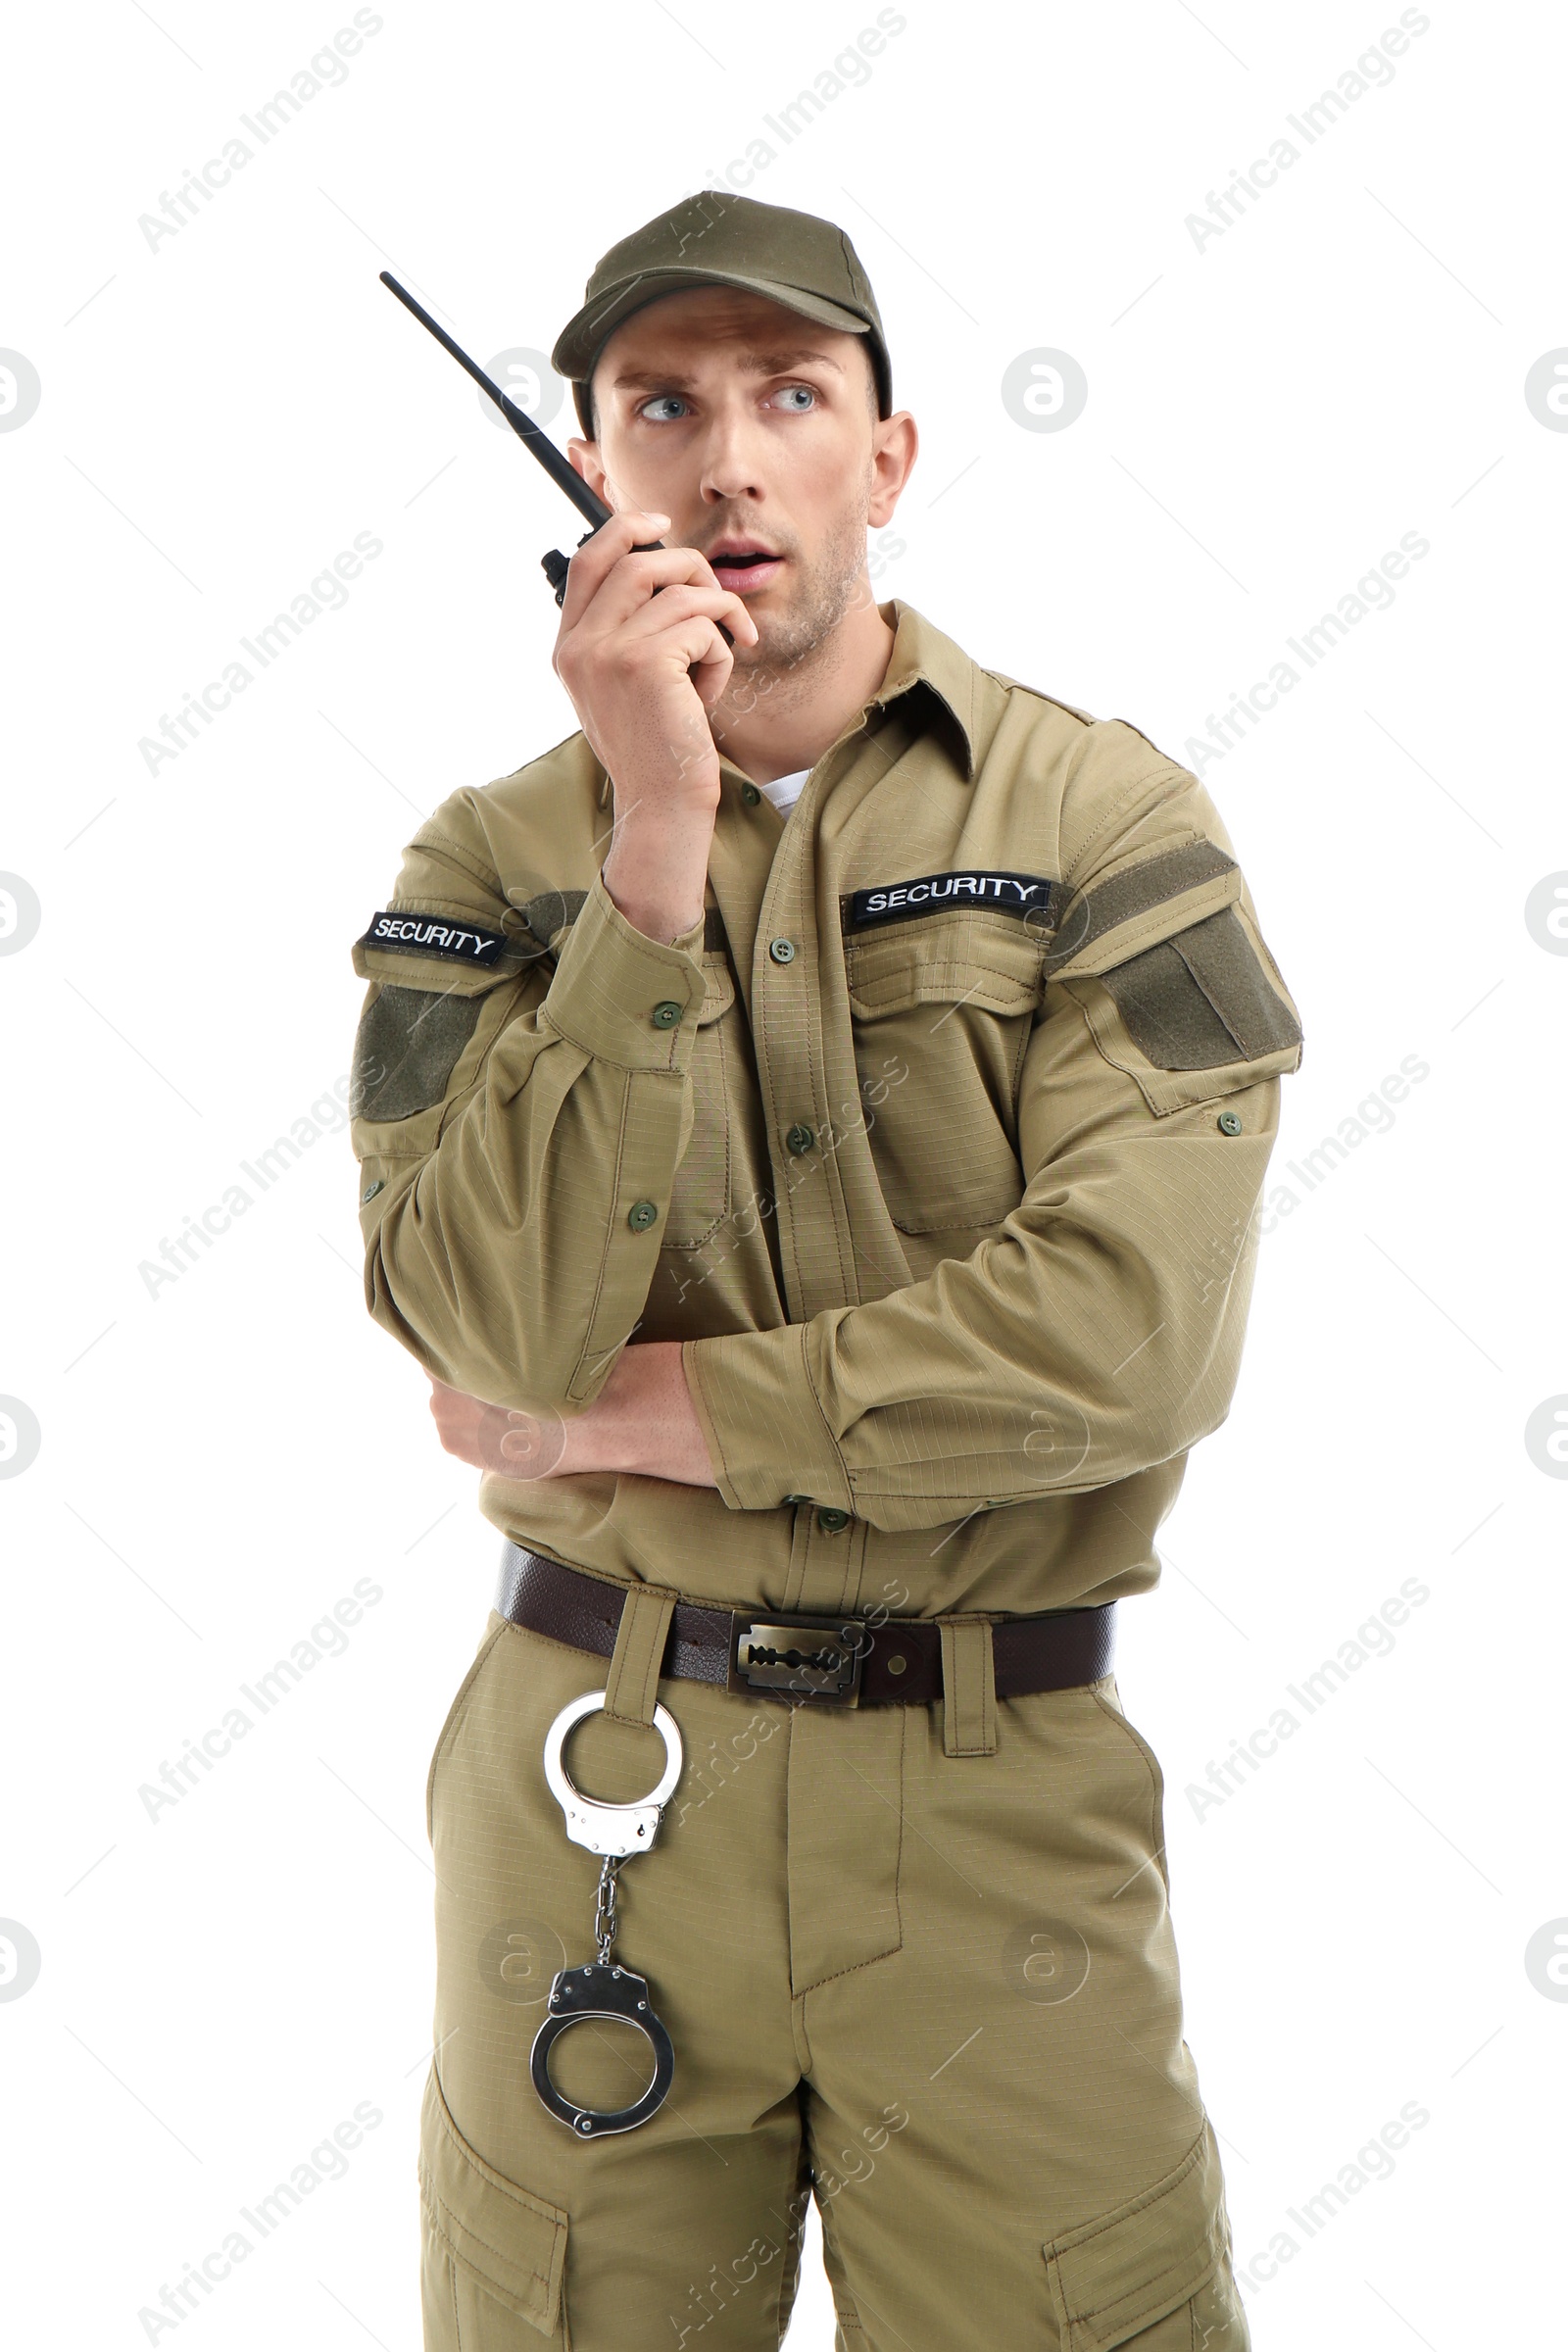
(605, 1920)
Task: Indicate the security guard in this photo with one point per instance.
(810, 1123)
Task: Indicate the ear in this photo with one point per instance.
(585, 459)
(895, 446)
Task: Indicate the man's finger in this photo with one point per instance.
(636, 589)
(678, 602)
(699, 646)
(599, 554)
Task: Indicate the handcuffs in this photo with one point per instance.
(602, 1988)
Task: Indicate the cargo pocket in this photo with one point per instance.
(506, 2249)
(701, 1196)
(942, 1009)
(1162, 2252)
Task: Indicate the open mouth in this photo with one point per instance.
(746, 568)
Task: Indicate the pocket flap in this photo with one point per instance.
(718, 986)
(514, 2244)
(946, 959)
(1133, 2266)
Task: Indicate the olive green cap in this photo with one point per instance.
(716, 239)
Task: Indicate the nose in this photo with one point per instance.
(731, 456)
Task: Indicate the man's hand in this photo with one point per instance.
(643, 1420)
(641, 654)
(511, 1445)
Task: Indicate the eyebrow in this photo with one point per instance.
(753, 363)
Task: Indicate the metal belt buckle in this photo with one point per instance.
(798, 1657)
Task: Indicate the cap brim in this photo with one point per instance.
(583, 337)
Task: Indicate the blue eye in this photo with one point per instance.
(807, 397)
(659, 399)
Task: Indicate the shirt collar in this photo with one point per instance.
(923, 657)
(925, 663)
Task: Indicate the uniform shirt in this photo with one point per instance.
(937, 1142)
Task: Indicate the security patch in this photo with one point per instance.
(994, 889)
(430, 935)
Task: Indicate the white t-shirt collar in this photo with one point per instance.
(785, 791)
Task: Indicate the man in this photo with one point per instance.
(811, 1122)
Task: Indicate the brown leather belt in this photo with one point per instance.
(777, 1653)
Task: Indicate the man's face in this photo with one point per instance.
(755, 432)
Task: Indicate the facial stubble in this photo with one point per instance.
(796, 645)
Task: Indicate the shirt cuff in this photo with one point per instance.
(621, 996)
(759, 1416)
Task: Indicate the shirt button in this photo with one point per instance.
(799, 1139)
(750, 795)
(782, 951)
(641, 1215)
(832, 1522)
(1230, 1122)
(665, 1016)
(371, 1190)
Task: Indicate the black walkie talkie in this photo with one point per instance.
(561, 471)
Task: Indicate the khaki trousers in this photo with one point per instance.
(936, 1990)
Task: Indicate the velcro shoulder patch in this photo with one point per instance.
(407, 1047)
(1201, 1000)
(1117, 917)
(995, 890)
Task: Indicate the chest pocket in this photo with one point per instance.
(701, 1198)
(942, 1008)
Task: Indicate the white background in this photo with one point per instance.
(222, 1458)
